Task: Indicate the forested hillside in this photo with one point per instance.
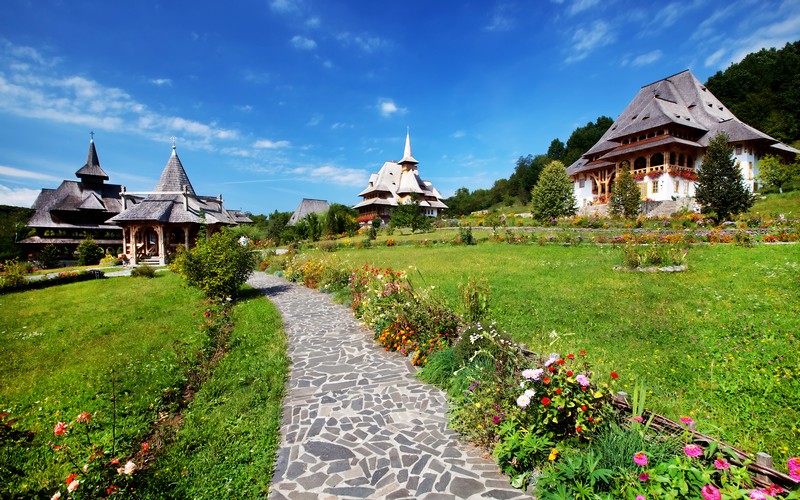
(763, 90)
(12, 228)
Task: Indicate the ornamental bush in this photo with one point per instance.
(218, 265)
(89, 252)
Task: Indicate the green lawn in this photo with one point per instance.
(61, 346)
(718, 342)
(787, 204)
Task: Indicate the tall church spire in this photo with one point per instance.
(92, 171)
(407, 156)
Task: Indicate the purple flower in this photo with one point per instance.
(583, 380)
(644, 477)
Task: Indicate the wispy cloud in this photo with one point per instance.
(285, 6)
(578, 6)
(17, 197)
(337, 175)
(303, 43)
(33, 86)
(315, 120)
(366, 43)
(269, 144)
(25, 174)
(644, 59)
(257, 77)
(458, 134)
(587, 39)
(161, 82)
(387, 107)
(313, 22)
(502, 19)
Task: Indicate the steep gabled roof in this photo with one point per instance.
(92, 168)
(308, 206)
(174, 177)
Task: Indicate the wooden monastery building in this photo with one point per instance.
(76, 210)
(170, 216)
(308, 206)
(395, 183)
(662, 135)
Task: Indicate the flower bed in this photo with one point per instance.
(549, 421)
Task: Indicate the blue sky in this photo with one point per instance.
(272, 101)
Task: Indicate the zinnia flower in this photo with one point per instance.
(583, 380)
(638, 418)
(528, 374)
(533, 374)
(56, 495)
(640, 497)
(570, 356)
(523, 401)
(614, 375)
(60, 429)
(83, 418)
(73, 485)
(128, 469)
(640, 458)
(692, 450)
(644, 476)
(530, 393)
(710, 492)
(757, 495)
(686, 420)
(582, 352)
(545, 401)
(721, 464)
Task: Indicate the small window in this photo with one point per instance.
(738, 149)
(655, 186)
(677, 186)
(582, 183)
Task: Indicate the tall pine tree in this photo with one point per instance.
(626, 200)
(720, 189)
(553, 195)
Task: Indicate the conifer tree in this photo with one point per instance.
(626, 200)
(553, 195)
(720, 189)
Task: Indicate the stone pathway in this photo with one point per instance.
(356, 422)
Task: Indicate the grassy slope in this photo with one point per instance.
(786, 203)
(60, 345)
(227, 442)
(714, 342)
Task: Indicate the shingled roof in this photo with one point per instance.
(308, 206)
(92, 168)
(682, 102)
(174, 177)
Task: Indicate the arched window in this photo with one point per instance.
(690, 162)
(640, 163)
(656, 159)
(672, 158)
(681, 160)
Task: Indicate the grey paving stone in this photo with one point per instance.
(356, 422)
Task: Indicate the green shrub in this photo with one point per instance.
(327, 246)
(440, 368)
(218, 265)
(89, 252)
(465, 236)
(13, 273)
(49, 257)
(143, 271)
(109, 260)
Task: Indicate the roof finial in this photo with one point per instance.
(91, 135)
(173, 144)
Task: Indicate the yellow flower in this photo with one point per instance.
(477, 405)
(553, 454)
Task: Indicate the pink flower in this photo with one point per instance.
(73, 485)
(710, 492)
(60, 429)
(686, 420)
(757, 495)
(56, 495)
(640, 497)
(692, 450)
(794, 474)
(582, 379)
(721, 464)
(640, 459)
(644, 476)
(638, 418)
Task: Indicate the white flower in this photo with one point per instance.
(530, 393)
(73, 485)
(56, 496)
(128, 469)
(523, 401)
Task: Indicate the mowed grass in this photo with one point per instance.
(718, 342)
(787, 204)
(226, 446)
(63, 345)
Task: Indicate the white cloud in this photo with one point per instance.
(579, 6)
(340, 125)
(303, 43)
(268, 144)
(258, 77)
(17, 197)
(160, 82)
(647, 58)
(25, 174)
(338, 175)
(366, 43)
(714, 58)
(585, 40)
(244, 108)
(458, 134)
(387, 107)
(33, 87)
(284, 6)
(670, 13)
(502, 19)
(313, 22)
(315, 120)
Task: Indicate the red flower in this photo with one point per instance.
(591, 419)
(114, 461)
(569, 373)
(614, 375)
(60, 429)
(71, 478)
(583, 408)
(545, 401)
(561, 361)
(551, 368)
(558, 391)
(570, 356)
(112, 489)
(145, 446)
(546, 380)
(83, 418)
(208, 313)
(582, 352)
(578, 429)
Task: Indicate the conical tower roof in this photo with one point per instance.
(407, 156)
(92, 168)
(174, 177)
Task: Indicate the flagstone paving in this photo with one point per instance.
(356, 422)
